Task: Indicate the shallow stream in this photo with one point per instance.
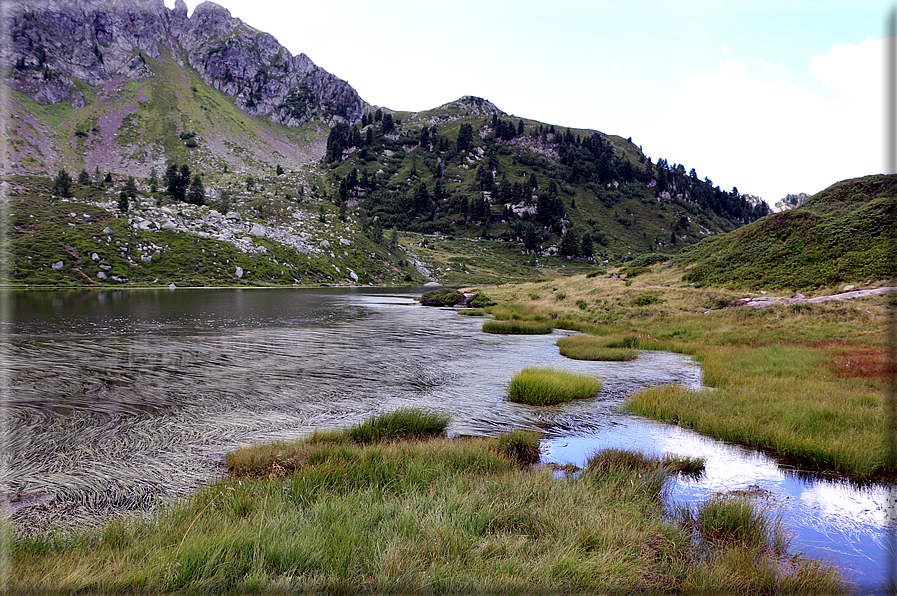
(117, 399)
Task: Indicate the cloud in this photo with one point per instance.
(772, 138)
(768, 66)
(852, 70)
(615, 65)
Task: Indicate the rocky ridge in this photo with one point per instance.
(55, 44)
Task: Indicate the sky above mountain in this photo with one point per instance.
(773, 97)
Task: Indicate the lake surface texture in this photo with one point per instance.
(117, 400)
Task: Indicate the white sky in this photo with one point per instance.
(773, 97)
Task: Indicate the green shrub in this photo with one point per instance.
(548, 386)
(646, 299)
(480, 300)
(517, 327)
(520, 445)
(646, 260)
(442, 297)
(407, 423)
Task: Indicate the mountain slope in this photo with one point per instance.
(467, 168)
(129, 89)
(843, 234)
(122, 86)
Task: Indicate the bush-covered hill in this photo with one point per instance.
(845, 233)
(469, 169)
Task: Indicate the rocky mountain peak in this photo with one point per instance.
(56, 42)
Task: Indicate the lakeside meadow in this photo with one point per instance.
(803, 382)
(391, 505)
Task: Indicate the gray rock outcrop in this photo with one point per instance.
(55, 42)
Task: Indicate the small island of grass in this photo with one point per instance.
(589, 347)
(549, 386)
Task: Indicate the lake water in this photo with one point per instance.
(117, 399)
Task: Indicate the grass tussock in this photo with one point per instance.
(281, 458)
(685, 465)
(538, 386)
(517, 327)
(520, 445)
(588, 347)
(408, 423)
(408, 517)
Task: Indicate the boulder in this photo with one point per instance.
(58, 265)
(239, 272)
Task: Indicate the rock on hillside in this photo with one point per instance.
(54, 43)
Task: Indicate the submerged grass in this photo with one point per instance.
(406, 516)
(588, 347)
(549, 386)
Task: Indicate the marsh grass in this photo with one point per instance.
(409, 423)
(549, 386)
(806, 386)
(407, 517)
(589, 347)
(520, 445)
(685, 465)
(517, 327)
(472, 312)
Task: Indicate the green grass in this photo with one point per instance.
(805, 385)
(409, 423)
(445, 516)
(588, 347)
(684, 464)
(842, 234)
(520, 445)
(516, 327)
(549, 386)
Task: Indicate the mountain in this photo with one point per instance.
(119, 85)
(303, 167)
(467, 168)
(843, 234)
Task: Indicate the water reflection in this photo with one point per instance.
(122, 398)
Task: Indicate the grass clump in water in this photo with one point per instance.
(518, 327)
(409, 423)
(684, 464)
(442, 297)
(549, 386)
(520, 445)
(589, 347)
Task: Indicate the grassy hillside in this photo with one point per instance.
(842, 234)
